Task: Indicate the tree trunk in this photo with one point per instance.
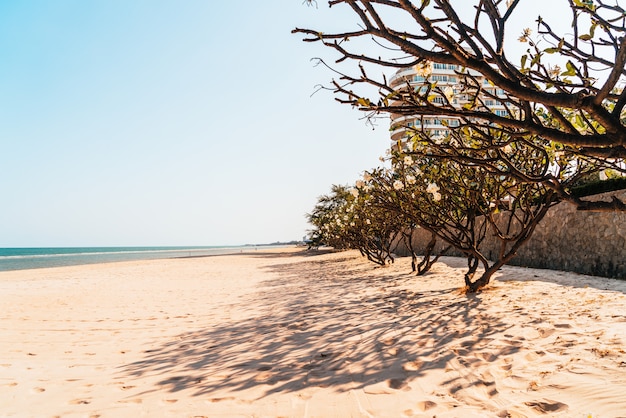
(472, 266)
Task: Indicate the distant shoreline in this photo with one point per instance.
(36, 258)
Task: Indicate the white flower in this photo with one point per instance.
(367, 221)
(408, 160)
(410, 179)
(525, 35)
(418, 172)
(367, 176)
(436, 196)
(432, 188)
(360, 184)
(382, 159)
(354, 192)
(424, 68)
(398, 185)
(351, 223)
(507, 149)
(449, 93)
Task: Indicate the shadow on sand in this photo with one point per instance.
(328, 324)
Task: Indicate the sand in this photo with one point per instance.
(292, 334)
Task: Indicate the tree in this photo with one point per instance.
(346, 219)
(389, 195)
(465, 205)
(566, 94)
(325, 218)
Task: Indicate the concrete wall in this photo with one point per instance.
(567, 239)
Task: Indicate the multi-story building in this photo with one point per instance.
(447, 78)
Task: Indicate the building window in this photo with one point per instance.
(501, 112)
(444, 78)
(418, 78)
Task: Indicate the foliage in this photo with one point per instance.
(345, 219)
(564, 96)
(463, 205)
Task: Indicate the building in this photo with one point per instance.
(447, 78)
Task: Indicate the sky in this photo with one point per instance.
(154, 122)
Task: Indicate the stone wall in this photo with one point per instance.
(591, 243)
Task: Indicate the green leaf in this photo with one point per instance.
(524, 58)
(579, 122)
(535, 60)
(551, 50)
(571, 70)
(363, 102)
(586, 37)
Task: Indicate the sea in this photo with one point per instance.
(32, 258)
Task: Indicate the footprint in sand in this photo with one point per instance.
(412, 366)
(80, 402)
(511, 414)
(545, 332)
(215, 400)
(532, 356)
(489, 357)
(394, 351)
(397, 384)
(263, 376)
(136, 400)
(426, 405)
(547, 406)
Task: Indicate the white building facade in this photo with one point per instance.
(448, 79)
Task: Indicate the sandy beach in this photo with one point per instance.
(288, 333)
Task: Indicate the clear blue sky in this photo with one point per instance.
(153, 122)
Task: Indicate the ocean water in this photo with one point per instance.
(30, 258)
